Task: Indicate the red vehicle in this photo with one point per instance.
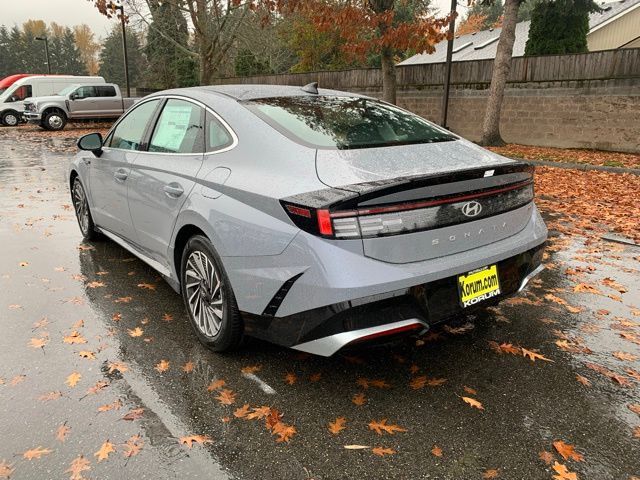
(6, 82)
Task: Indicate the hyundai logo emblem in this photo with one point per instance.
(472, 209)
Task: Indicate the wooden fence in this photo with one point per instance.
(606, 64)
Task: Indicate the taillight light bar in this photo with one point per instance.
(405, 217)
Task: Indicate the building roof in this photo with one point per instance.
(482, 45)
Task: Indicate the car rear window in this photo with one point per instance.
(345, 122)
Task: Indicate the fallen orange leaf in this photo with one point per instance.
(534, 356)
(381, 451)
(136, 332)
(162, 366)
(78, 465)
(191, 439)
(37, 452)
(105, 450)
(290, 378)
(73, 379)
(226, 397)
(359, 399)
(383, 426)
(134, 414)
(473, 402)
(567, 451)
(133, 446)
(242, 411)
(188, 367)
(563, 473)
(62, 432)
(337, 425)
(215, 385)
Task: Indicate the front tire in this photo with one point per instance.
(83, 214)
(54, 120)
(208, 296)
(10, 119)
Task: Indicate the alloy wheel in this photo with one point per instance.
(204, 293)
(11, 120)
(81, 207)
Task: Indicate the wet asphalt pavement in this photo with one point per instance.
(127, 321)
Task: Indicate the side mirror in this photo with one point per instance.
(91, 142)
(73, 96)
(14, 98)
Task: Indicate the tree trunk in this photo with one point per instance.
(206, 63)
(501, 67)
(388, 77)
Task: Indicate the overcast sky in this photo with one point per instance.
(64, 12)
(73, 12)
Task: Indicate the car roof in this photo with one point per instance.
(253, 92)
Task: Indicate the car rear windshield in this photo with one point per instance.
(345, 122)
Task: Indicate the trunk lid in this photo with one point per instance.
(419, 202)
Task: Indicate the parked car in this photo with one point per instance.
(77, 103)
(310, 218)
(12, 99)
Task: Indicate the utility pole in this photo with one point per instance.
(46, 51)
(447, 75)
(120, 6)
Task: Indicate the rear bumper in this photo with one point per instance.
(325, 330)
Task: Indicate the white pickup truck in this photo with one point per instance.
(77, 103)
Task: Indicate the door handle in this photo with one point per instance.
(121, 174)
(173, 190)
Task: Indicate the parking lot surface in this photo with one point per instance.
(102, 377)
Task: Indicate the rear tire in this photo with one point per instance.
(54, 120)
(208, 296)
(83, 214)
(10, 119)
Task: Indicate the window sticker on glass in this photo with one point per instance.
(172, 128)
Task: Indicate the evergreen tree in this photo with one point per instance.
(526, 7)
(559, 26)
(491, 11)
(168, 65)
(66, 58)
(6, 58)
(112, 58)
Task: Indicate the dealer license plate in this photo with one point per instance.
(478, 285)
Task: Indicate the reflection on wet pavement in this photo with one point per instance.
(92, 316)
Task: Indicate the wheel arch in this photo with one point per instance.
(73, 174)
(189, 224)
(53, 108)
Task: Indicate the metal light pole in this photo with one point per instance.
(46, 50)
(120, 6)
(447, 77)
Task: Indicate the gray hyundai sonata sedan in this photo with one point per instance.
(311, 218)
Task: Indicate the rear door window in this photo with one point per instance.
(106, 91)
(180, 128)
